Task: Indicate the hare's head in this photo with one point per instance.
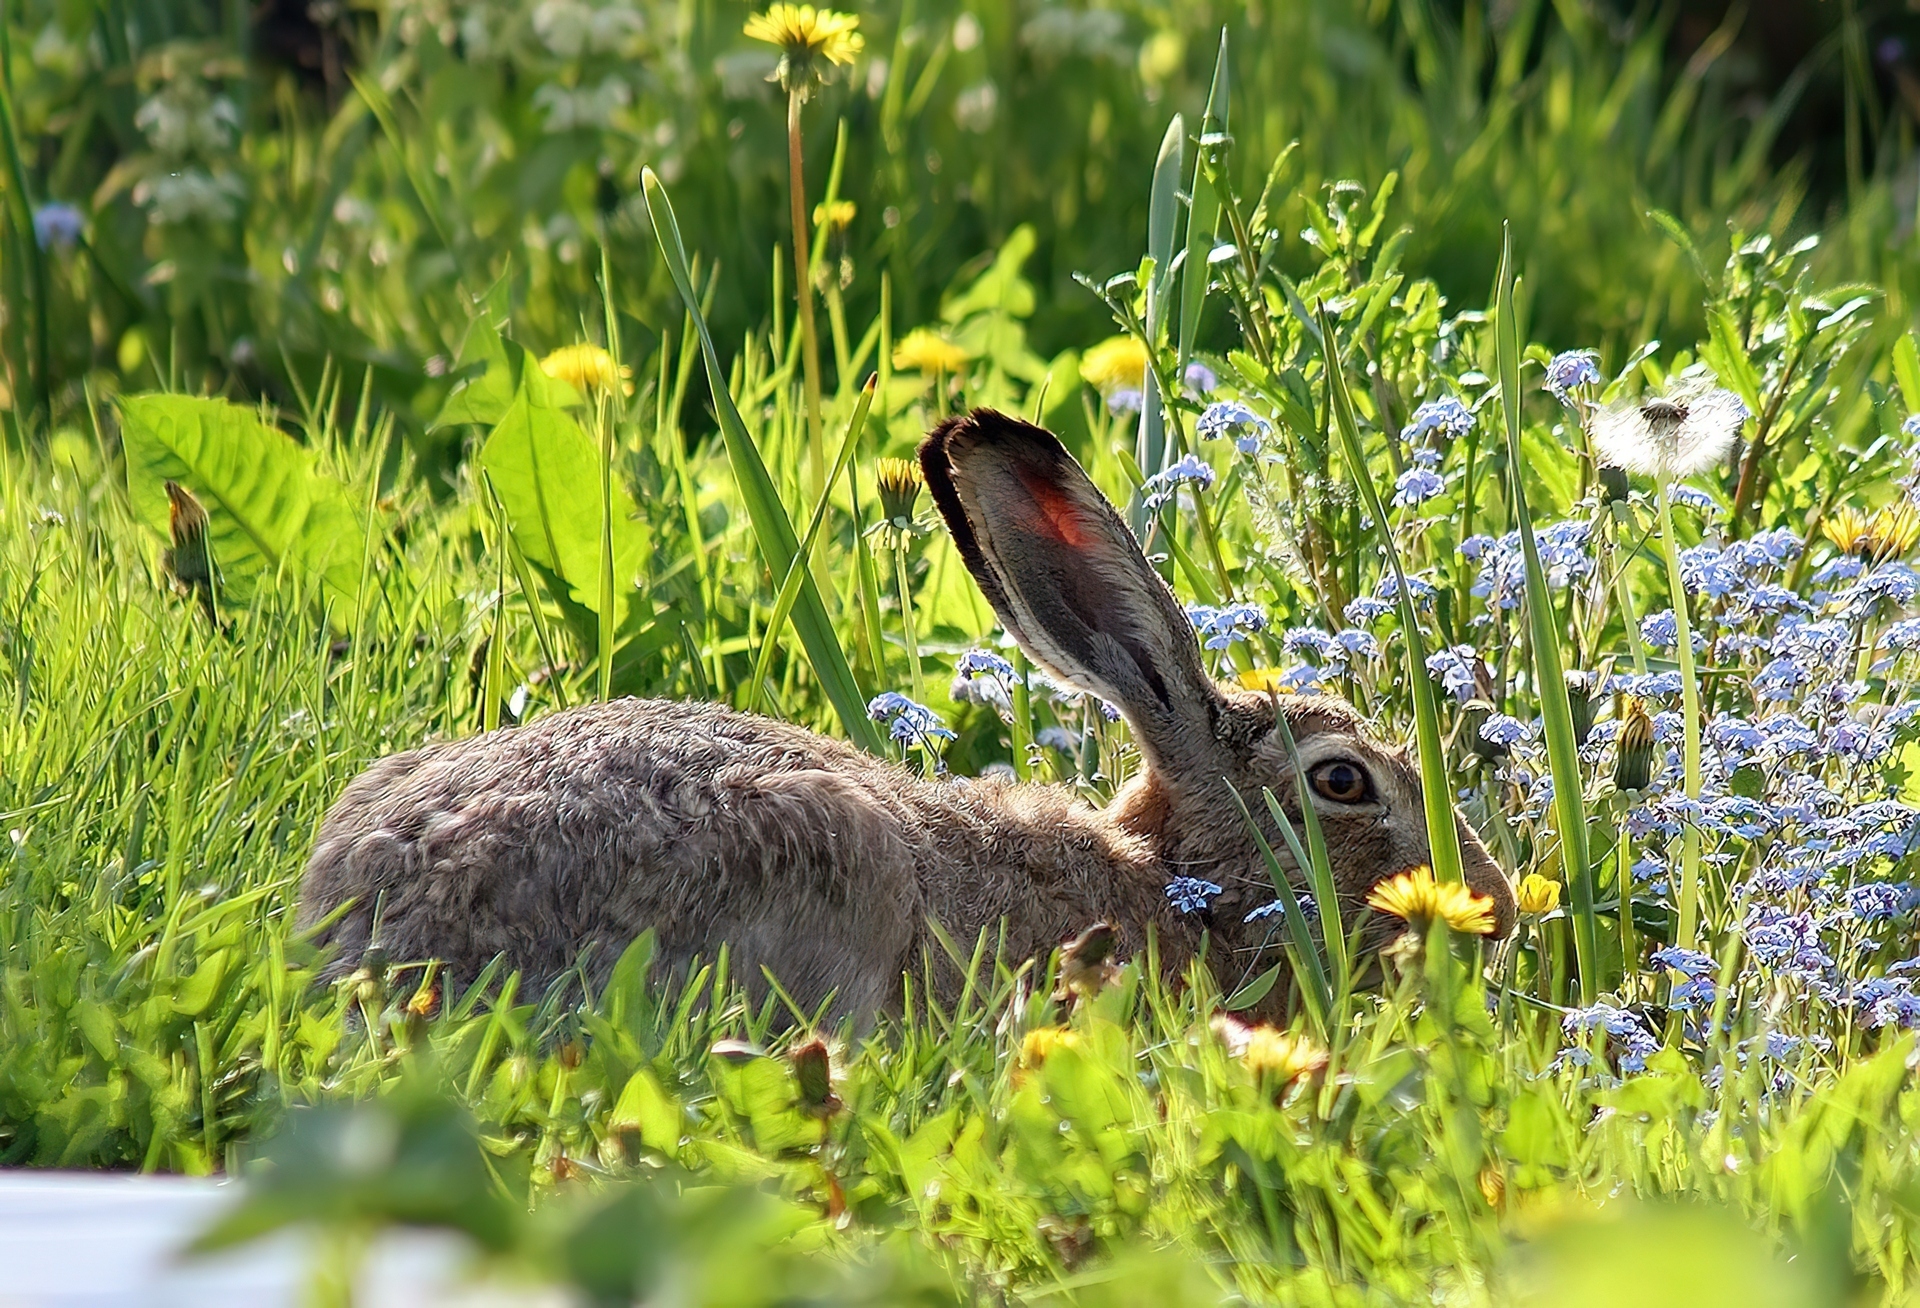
(1068, 581)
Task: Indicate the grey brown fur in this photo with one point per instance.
(824, 865)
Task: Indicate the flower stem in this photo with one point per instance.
(906, 621)
(803, 289)
(1689, 905)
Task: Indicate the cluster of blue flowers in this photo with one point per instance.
(1163, 486)
(983, 677)
(1502, 578)
(1221, 627)
(1191, 894)
(1230, 418)
(907, 722)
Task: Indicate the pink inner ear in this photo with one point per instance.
(1056, 516)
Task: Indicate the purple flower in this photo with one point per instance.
(1500, 729)
(1231, 418)
(1687, 962)
(58, 226)
(911, 723)
(1200, 379)
(1417, 485)
(982, 677)
(1366, 611)
(1191, 894)
(1634, 1041)
(1163, 486)
(1445, 415)
(1571, 368)
(1126, 400)
(1455, 669)
(1876, 901)
(1694, 498)
(1221, 627)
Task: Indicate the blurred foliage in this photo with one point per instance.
(342, 197)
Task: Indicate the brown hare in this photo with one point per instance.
(824, 865)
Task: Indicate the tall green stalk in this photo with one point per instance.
(1549, 674)
(1685, 934)
(1443, 837)
(803, 290)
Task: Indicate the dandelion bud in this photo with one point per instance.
(1633, 765)
(1614, 486)
(425, 1002)
(190, 561)
(813, 1073)
(899, 481)
(1581, 700)
(1086, 962)
(1536, 895)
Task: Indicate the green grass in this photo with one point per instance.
(427, 561)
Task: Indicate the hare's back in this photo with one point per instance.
(586, 827)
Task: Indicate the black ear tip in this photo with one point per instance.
(934, 451)
(984, 430)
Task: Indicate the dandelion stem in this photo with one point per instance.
(1689, 905)
(916, 678)
(803, 290)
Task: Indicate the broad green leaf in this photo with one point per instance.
(269, 506)
(1906, 370)
(1727, 356)
(485, 370)
(197, 992)
(1203, 209)
(547, 474)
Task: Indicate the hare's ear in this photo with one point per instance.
(1067, 579)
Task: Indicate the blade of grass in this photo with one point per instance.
(772, 528)
(1550, 680)
(1443, 837)
(1307, 964)
(1203, 208)
(790, 588)
(1319, 866)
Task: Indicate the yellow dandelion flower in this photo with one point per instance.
(1268, 681)
(923, 351)
(1894, 531)
(1118, 363)
(1265, 1050)
(1281, 1054)
(1037, 1045)
(1537, 895)
(838, 215)
(1419, 900)
(587, 368)
(810, 40)
(1848, 528)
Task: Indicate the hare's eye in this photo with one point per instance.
(1340, 781)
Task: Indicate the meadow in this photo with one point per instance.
(1485, 366)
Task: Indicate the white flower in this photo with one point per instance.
(1688, 430)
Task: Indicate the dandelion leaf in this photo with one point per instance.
(546, 472)
(270, 509)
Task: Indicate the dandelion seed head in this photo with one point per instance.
(1673, 436)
